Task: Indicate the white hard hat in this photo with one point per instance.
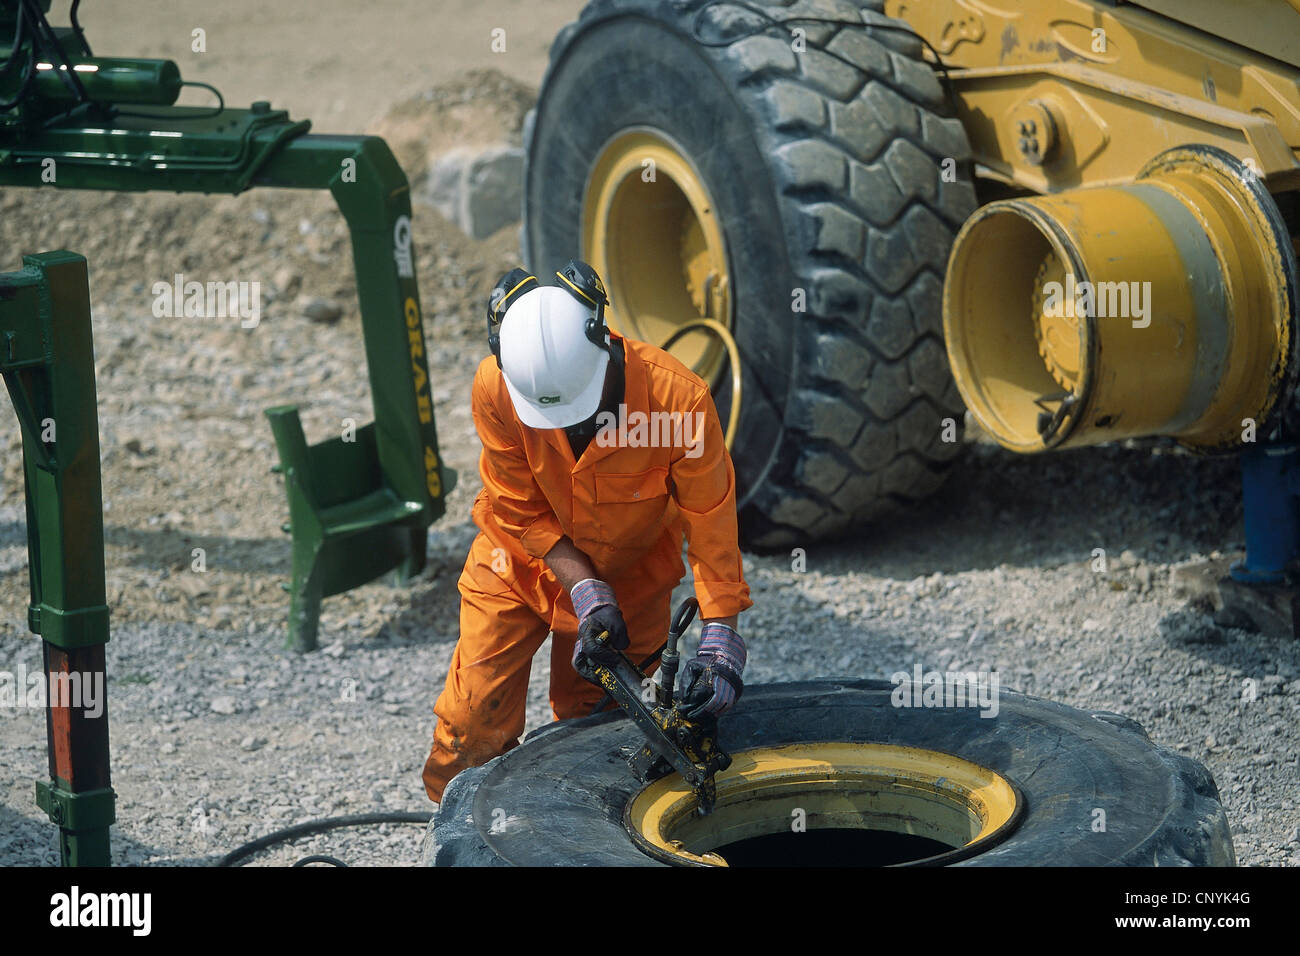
(554, 373)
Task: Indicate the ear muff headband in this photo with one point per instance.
(520, 282)
(584, 284)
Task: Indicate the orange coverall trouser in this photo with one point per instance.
(481, 709)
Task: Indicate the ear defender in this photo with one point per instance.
(508, 288)
(582, 282)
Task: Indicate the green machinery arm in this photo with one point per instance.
(48, 364)
(357, 508)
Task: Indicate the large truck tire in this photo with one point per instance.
(1093, 789)
(838, 180)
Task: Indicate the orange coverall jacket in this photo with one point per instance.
(626, 504)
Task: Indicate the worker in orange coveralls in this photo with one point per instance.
(581, 518)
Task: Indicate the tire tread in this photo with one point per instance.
(856, 130)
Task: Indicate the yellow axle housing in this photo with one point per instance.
(1165, 306)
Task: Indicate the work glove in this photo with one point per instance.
(597, 610)
(711, 679)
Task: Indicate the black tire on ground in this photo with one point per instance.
(827, 168)
(558, 798)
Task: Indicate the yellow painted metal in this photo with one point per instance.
(1120, 85)
(837, 785)
(651, 229)
(1160, 307)
(1055, 331)
(1270, 26)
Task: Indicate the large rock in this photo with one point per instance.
(1272, 610)
(480, 191)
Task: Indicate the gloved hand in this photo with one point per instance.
(597, 610)
(711, 679)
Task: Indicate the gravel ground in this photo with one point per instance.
(219, 734)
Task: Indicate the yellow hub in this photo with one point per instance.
(1164, 306)
(840, 786)
(1059, 337)
(650, 228)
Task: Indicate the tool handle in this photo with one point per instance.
(667, 678)
(641, 669)
(682, 619)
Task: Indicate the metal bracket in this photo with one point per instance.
(88, 810)
(83, 627)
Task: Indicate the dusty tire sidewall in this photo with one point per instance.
(563, 793)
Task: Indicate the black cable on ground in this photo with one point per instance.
(319, 858)
(319, 826)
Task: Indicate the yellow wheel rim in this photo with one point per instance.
(1045, 338)
(650, 229)
(836, 786)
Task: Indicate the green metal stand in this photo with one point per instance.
(47, 359)
(358, 509)
(394, 481)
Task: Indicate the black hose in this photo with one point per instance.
(76, 28)
(16, 44)
(16, 48)
(667, 678)
(684, 615)
(43, 34)
(319, 826)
